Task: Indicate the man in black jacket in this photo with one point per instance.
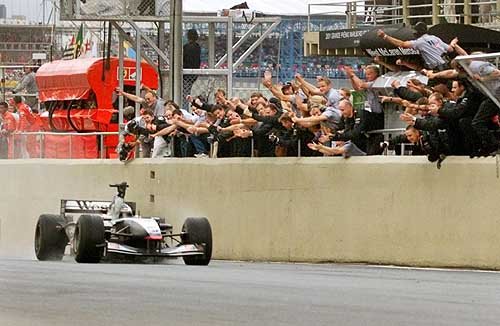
(437, 143)
(292, 137)
(459, 114)
(355, 126)
(268, 122)
(352, 126)
(191, 58)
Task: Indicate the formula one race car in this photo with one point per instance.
(107, 229)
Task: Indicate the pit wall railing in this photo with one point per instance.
(91, 145)
(488, 78)
(61, 145)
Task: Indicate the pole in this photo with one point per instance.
(161, 64)
(121, 125)
(467, 12)
(138, 72)
(435, 12)
(43, 11)
(230, 56)
(406, 12)
(211, 45)
(176, 51)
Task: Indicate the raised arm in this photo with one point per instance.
(394, 41)
(306, 86)
(276, 91)
(357, 83)
(131, 97)
(389, 66)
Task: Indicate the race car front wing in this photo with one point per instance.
(179, 251)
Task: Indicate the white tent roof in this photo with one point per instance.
(287, 7)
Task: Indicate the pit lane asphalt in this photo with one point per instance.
(235, 293)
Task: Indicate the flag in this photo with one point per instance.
(79, 42)
(89, 49)
(69, 52)
(129, 50)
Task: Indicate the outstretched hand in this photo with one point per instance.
(408, 118)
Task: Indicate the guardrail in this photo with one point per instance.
(16, 137)
(41, 141)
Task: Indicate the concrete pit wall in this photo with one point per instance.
(383, 210)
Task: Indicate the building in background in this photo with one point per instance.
(3, 12)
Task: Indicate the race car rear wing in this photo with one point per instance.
(86, 206)
(82, 206)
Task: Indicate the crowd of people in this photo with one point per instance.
(453, 114)
(450, 115)
(13, 35)
(20, 114)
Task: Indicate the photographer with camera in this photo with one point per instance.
(290, 137)
(268, 120)
(136, 126)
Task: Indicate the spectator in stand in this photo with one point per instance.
(269, 121)
(138, 123)
(328, 115)
(7, 127)
(431, 48)
(352, 127)
(159, 129)
(291, 137)
(489, 75)
(440, 134)
(324, 87)
(220, 96)
(373, 114)
(27, 122)
(344, 148)
(285, 94)
(257, 101)
(409, 138)
(150, 100)
(28, 85)
(191, 59)
(413, 90)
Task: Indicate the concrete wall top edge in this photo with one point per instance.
(405, 160)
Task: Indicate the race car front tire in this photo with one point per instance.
(197, 230)
(88, 241)
(50, 238)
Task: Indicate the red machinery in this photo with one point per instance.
(79, 95)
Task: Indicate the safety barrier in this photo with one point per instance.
(62, 145)
(66, 143)
(380, 210)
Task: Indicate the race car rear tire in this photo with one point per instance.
(50, 238)
(88, 241)
(197, 230)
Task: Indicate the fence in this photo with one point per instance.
(389, 12)
(204, 83)
(483, 70)
(49, 145)
(114, 9)
(57, 145)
